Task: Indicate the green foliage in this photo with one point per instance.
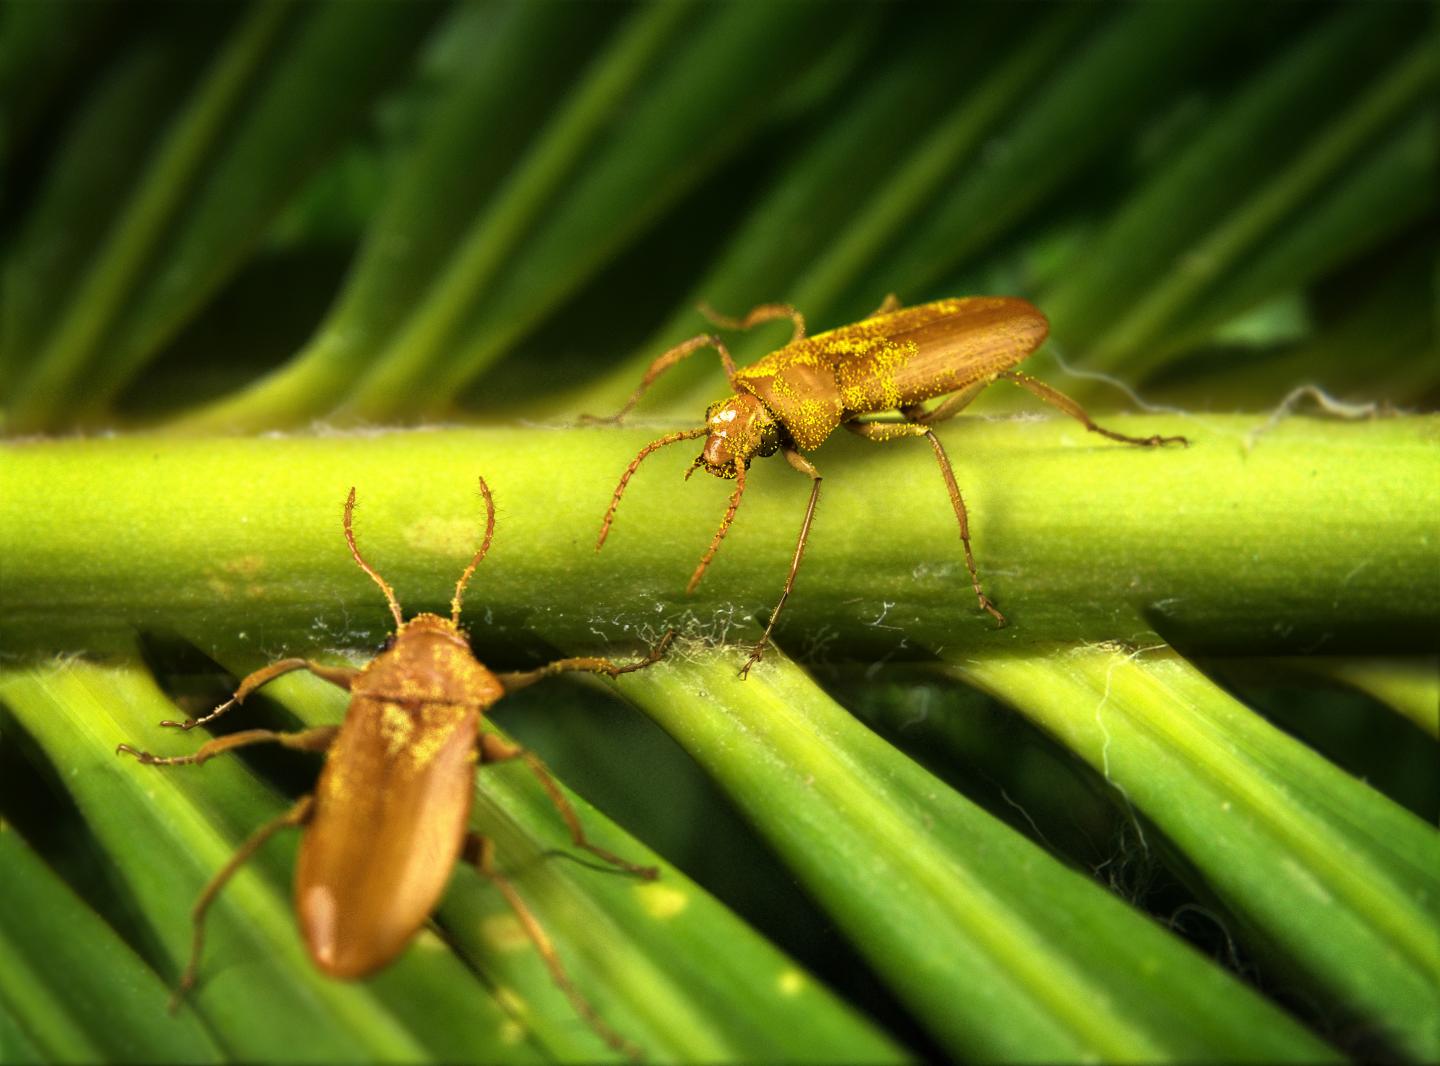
(1177, 810)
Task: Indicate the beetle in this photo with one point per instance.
(894, 360)
(388, 817)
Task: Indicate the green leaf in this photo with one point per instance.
(1320, 869)
(1002, 952)
(68, 983)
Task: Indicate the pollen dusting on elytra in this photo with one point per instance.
(397, 728)
(872, 384)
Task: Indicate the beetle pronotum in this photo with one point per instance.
(389, 815)
(893, 361)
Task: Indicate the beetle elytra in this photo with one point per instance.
(389, 815)
(895, 360)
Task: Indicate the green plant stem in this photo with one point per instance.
(1314, 535)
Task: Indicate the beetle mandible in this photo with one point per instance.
(388, 817)
(897, 358)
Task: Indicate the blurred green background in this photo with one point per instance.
(1124, 834)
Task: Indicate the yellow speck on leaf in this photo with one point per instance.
(662, 901)
(790, 982)
(504, 932)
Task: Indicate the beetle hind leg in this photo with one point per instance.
(495, 748)
(481, 852)
(885, 431)
(295, 816)
(1057, 399)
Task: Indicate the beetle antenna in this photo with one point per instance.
(350, 540)
(484, 547)
(724, 528)
(671, 438)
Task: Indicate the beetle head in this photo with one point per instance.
(434, 624)
(739, 428)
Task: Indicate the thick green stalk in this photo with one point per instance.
(1312, 533)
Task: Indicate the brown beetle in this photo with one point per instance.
(896, 359)
(390, 813)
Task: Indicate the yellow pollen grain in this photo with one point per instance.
(504, 932)
(662, 901)
(511, 1032)
(790, 983)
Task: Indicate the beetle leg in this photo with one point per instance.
(664, 362)
(887, 305)
(519, 679)
(495, 748)
(800, 463)
(757, 315)
(722, 530)
(336, 675)
(654, 445)
(481, 851)
(1059, 400)
(948, 408)
(883, 431)
(317, 739)
(296, 815)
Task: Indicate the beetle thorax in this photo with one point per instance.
(740, 429)
(429, 659)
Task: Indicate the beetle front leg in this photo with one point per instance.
(481, 852)
(885, 431)
(336, 675)
(318, 739)
(757, 315)
(887, 305)
(664, 362)
(519, 679)
(295, 816)
(495, 748)
(800, 463)
(1057, 399)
